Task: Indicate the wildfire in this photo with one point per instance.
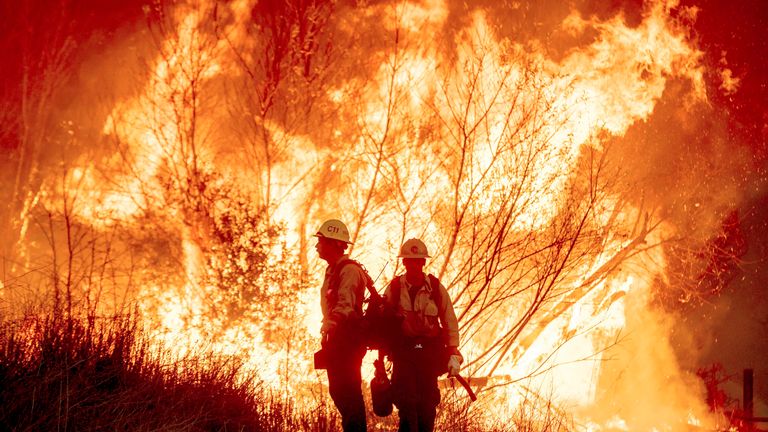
(476, 143)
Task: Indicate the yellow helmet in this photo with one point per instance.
(334, 229)
(413, 248)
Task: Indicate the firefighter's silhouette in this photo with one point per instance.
(343, 347)
(427, 342)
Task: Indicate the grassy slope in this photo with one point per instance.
(61, 374)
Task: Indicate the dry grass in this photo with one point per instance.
(68, 374)
(89, 375)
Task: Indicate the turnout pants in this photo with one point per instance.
(344, 383)
(414, 382)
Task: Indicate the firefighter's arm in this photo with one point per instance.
(327, 324)
(350, 282)
(448, 320)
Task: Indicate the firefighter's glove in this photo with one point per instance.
(326, 330)
(454, 365)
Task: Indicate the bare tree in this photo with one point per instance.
(470, 153)
(40, 46)
(517, 218)
(280, 51)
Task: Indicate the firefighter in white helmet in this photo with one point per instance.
(341, 300)
(428, 341)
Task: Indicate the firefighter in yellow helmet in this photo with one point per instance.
(341, 300)
(428, 341)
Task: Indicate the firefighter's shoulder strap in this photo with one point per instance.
(333, 285)
(435, 294)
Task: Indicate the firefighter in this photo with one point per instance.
(341, 301)
(428, 339)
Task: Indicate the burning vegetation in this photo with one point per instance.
(165, 170)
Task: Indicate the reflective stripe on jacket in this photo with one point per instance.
(425, 317)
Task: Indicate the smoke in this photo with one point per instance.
(690, 160)
(639, 376)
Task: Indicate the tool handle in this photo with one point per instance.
(466, 386)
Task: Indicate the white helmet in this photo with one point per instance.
(334, 229)
(413, 248)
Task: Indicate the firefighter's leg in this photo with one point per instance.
(427, 407)
(344, 385)
(405, 391)
(429, 396)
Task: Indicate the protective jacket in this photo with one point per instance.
(425, 314)
(344, 302)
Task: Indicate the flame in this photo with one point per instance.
(597, 346)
